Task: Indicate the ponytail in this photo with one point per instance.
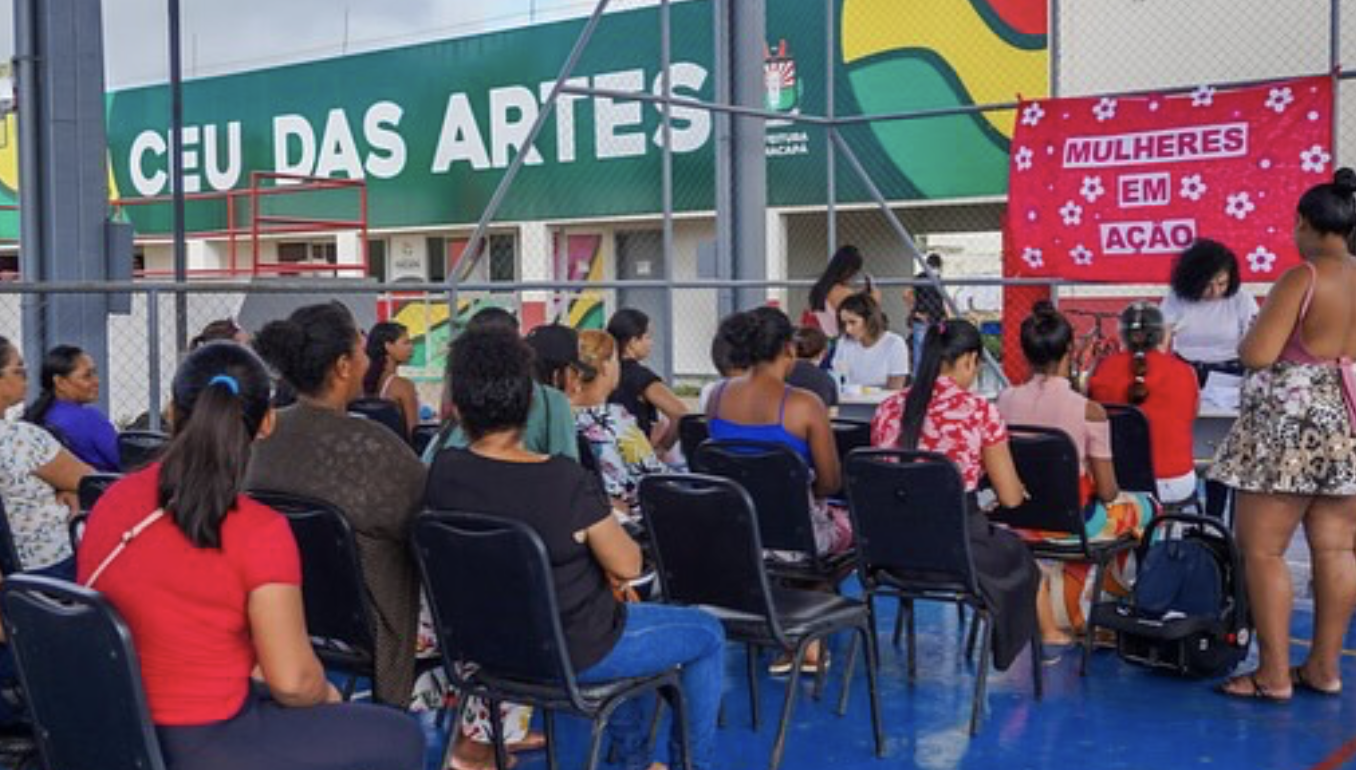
(946, 341)
(221, 397)
(1142, 329)
(60, 361)
(1139, 367)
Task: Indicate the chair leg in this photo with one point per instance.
(676, 700)
(1089, 627)
(789, 704)
(752, 660)
(872, 666)
(982, 675)
(595, 742)
(501, 757)
(349, 685)
(1037, 656)
(973, 637)
(848, 665)
(913, 642)
(871, 618)
(818, 692)
(905, 605)
(548, 721)
(654, 723)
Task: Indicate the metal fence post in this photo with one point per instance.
(153, 353)
(666, 180)
(831, 112)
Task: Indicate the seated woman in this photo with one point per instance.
(210, 586)
(388, 349)
(641, 391)
(869, 355)
(761, 406)
(38, 480)
(1049, 400)
(1164, 387)
(588, 549)
(720, 359)
(940, 414)
(811, 347)
(358, 466)
(623, 454)
(65, 407)
(222, 329)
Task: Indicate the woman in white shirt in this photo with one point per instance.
(869, 354)
(1206, 310)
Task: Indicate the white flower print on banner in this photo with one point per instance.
(1092, 189)
(1105, 109)
(1239, 206)
(1203, 96)
(1081, 255)
(1032, 114)
(1314, 159)
(1192, 187)
(1023, 158)
(1260, 260)
(1032, 257)
(1071, 213)
(1279, 98)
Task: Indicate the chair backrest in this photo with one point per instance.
(850, 434)
(423, 435)
(9, 555)
(1047, 463)
(1131, 451)
(910, 516)
(380, 410)
(93, 486)
(80, 676)
(138, 448)
(777, 480)
(489, 584)
(332, 586)
(705, 541)
(692, 431)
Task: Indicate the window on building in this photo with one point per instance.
(376, 259)
(503, 259)
(437, 259)
(294, 252)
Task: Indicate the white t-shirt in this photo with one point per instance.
(36, 519)
(873, 366)
(1209, 331)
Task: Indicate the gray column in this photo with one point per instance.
(741, 194)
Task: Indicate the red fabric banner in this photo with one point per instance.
(1112, 189)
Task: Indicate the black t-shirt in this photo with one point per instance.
(819, 382)
(927, 303)
(557, 498)
(630, 393)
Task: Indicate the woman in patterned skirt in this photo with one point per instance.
(1292, 453)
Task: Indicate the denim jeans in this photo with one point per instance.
(657, 637)
(920, 332)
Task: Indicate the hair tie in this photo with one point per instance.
(228, 381)
(941, 327)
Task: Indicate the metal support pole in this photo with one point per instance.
(910, 245)
(720, 17)
(177, 177)
(748, 147)
(1055, 48)
(1335, 64)
(30, 181)
(831, 111)
(153, 353)
(666, 182)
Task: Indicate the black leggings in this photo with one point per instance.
(268, 736)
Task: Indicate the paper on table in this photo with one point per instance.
(1221, 391)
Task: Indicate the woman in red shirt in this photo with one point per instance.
(1164, 387)
(209, 582)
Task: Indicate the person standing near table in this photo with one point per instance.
(926, 307)
(1205, 310)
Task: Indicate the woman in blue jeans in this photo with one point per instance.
(588, 549)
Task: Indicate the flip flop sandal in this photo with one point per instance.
(1299, 680)
(782, 666)
(1259, 692)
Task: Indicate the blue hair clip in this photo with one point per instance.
(228, 381)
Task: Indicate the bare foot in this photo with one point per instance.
(470, 755)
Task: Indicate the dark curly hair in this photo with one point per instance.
(306, 345)
(1046, 336)
(492, 389)
(1198, 265)
(757, 336)
(1330, 207)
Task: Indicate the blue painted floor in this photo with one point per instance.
(1119, 716)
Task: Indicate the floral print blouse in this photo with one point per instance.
(622, 451)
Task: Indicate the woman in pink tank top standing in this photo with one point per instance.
(1292, 453)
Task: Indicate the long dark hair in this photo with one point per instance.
(382, 334)
(625, 325)
(845, 264)
(1142, 329)
(945, 343)
(221, 397)
(1196, 267)
(60, 361)
(1046, 336)
(306, 345)
(1330, 208)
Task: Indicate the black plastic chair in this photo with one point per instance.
(93, 486)
(337, 614)
(489, 585)
(1130, 449)
(423, 435)
(382, 411)
(911, 525)
(1047, 463)
(850, 434)
(778, 481)
(708, 553)
(80, 676)
(9, 555)
(692, 431)
(139, 448)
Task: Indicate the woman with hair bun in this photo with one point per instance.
(939, 413)
(209, 582)
(1291, 455)
(359, 466)
(1049, 400)
(1205, 310)
(388, 349)
(1164, 388)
